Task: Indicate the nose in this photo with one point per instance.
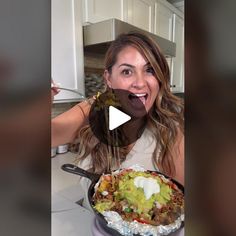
(139, 81)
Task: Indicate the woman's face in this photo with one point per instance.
(133, 73)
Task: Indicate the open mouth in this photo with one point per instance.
(136, 98)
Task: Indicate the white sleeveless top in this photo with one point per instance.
(140, 154)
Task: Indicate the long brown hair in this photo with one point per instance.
(165, 120)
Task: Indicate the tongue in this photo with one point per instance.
(142, 99)
(138, 101)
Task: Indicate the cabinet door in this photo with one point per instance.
(67, 48)
(141, 14)
(99, 10)
(163, 21)
(177, 75)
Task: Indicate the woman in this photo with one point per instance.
(134, 63)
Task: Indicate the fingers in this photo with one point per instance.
(54, 89)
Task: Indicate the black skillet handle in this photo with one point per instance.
(78, 171)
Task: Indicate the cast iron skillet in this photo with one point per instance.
(94, 179)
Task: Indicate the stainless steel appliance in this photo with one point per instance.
(98, 36)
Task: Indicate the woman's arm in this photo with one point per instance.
(178, 154)
(66, 126)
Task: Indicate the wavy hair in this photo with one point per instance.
(165, 119)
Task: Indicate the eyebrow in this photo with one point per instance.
(126, 64)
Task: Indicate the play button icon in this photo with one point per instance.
(117, 118)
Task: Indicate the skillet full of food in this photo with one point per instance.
(135, 201)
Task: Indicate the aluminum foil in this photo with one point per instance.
(130, 228)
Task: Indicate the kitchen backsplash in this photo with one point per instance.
(94, 68)
(93, 60)
(93, 84)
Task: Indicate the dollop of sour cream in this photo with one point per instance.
(149, 185)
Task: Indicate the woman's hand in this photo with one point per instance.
(54, 90)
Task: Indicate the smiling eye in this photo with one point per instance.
(126, 72)
(150, 70)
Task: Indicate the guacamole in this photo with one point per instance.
(143, 196)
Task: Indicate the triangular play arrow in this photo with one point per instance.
(117, 118)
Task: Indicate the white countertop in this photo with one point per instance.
(68, 218)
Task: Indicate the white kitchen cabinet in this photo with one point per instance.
(163, 25)
(136, 12)
(99, 10)
(177, 66)
(169, 24)
(67, 48)
(140, 13)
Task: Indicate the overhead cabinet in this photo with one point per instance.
(169, 24)
(140, 13)
(67, 48)
(136, 12)
(99, 10)
(177, 68)
(163, 21)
